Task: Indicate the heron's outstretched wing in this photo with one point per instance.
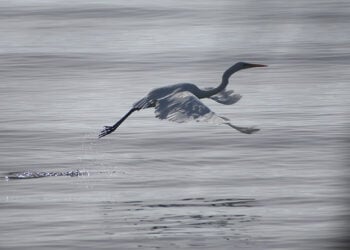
(226, 97)
(184, 106)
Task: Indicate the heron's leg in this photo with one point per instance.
(109, 129)
(245, 130)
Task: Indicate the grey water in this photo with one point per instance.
(67, 68)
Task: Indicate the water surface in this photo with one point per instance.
(68, 68)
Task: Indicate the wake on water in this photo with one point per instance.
(33, 174)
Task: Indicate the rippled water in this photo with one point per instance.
(68, 68)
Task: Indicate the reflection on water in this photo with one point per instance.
(213, 203)
(180, 219)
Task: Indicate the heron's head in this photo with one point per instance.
(244, 65)
(238, 66)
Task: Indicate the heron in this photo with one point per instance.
(181, 102)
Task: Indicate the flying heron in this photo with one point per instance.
(181, 102)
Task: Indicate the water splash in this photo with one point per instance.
(33, 174)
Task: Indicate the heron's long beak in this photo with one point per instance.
(251, 65)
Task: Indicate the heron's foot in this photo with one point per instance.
(107, 130)
(248, 130)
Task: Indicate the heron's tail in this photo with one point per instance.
(245, 130)
(109, 129)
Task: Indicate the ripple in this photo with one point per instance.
(202, 202)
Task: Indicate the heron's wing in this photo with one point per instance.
(143, 103)
(184, 106)
(226, 97)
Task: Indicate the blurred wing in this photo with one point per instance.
(184, 106)
(226, 97)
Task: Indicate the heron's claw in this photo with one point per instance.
(107, 130)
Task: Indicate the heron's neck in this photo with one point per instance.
(225, 77)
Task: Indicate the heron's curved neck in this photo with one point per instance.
(225, 77)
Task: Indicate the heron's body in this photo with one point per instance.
(159, 93)
(181, 102)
